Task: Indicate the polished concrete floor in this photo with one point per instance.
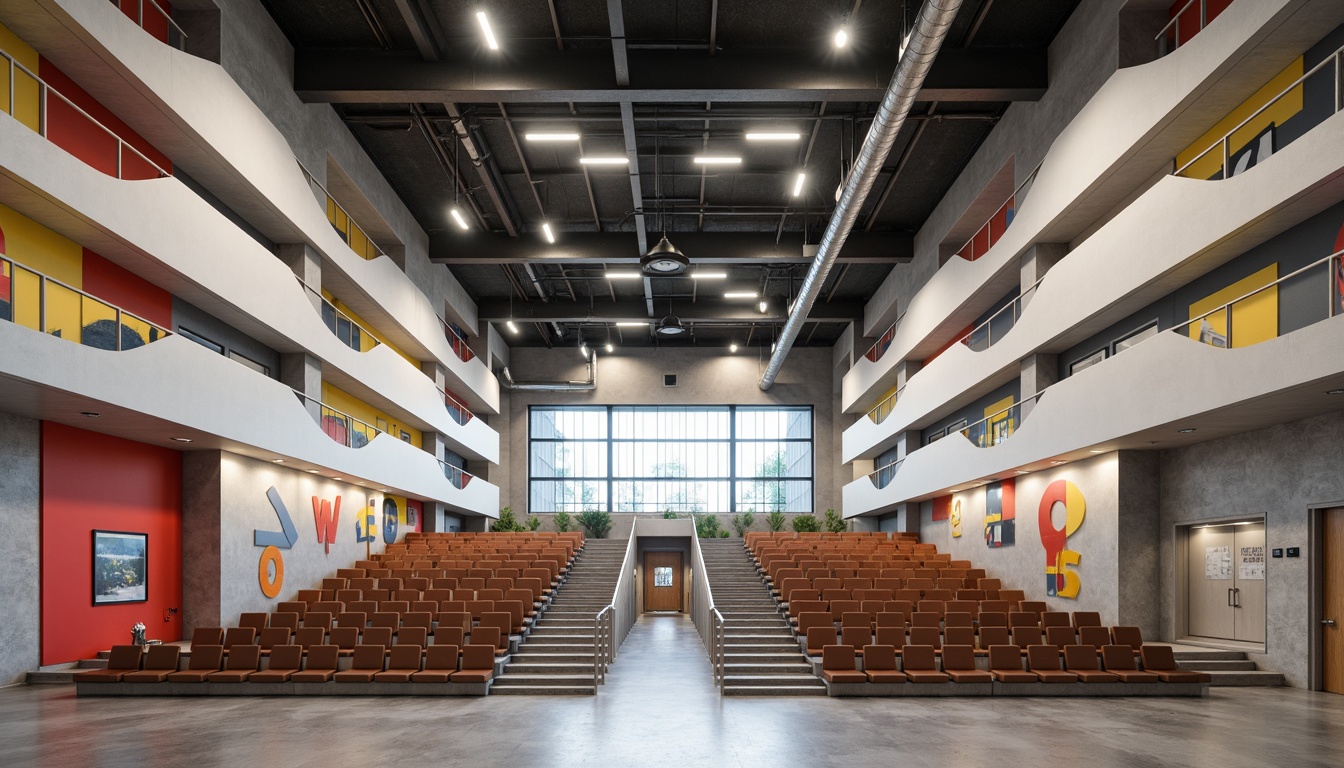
(660, 708)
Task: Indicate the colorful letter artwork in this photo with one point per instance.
(271, 566)
(1000, 514)
(326, 515)
(955, 518)
(1060, 581)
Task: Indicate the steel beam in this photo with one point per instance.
(620, 250)
(631, 309)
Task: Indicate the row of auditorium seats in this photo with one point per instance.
(493, 630)
(1080, 664)
(816, 636)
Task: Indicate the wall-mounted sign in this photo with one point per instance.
(1059, 581)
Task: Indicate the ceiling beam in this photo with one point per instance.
(631, 309)
(424, 28)
(654, 76)
(619, 248)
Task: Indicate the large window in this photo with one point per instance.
(654, 459)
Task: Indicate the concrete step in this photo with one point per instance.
(788, 646)
(520, 667)
(773, 685)
(1245, 679)
(1209, 655)
(559, 659)
(1218, 665)
(500, 689)
(735, 668)
(762, 657)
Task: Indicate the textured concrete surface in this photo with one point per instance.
(660, 708)
(20, 496)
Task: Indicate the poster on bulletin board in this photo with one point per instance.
(1218, 563)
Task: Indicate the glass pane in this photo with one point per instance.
(662, 576)
(771, 495)
(682, 496)
(569, 459)
(568, 495)
(569, 423)
(669, 423)
(774, 423)
(669, 459)
(777, 459)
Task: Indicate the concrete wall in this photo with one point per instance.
(20, 488)
(1282, 473)
(705, 377)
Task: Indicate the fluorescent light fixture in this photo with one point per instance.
(841, 38)
(798, 184)
(702, 275)
(457, 217)
(740, 295)
(604, 160)
(551, 136)
(584, 349)
(1334, 391)
(1096, 451)
(1021, 472)
(546, 230)
(762, 306)
(773, 136)
(622, 275)
(717, 160)
(610, 349)
(182, 439)
(512, 328)
(732, 348)
(489, 33)
(277, 461)
(632, 325)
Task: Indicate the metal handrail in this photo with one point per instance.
(463, 413)
(44, 281)
(342, 414)
(889, 335)
(1336, 58)
(1161, 37)
(966, 430)
(457, 341)
(1021, 190)
(1016, 305)
(340, 314)
(889, 402)
(350, 219)
(607, 634)
(458, 476)
(140, 21)
(873, 476)
(601, 644)
(720, 647)
(45, 88)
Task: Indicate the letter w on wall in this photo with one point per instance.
(326, 515)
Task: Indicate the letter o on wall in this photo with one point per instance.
(270, 587)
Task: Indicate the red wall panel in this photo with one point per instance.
(81, 137)
(152, 19)
(132, 293)
(94, 481)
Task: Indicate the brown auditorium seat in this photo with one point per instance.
(440, 664)
(959, 664)
(160, 662)
(959, 636)
(812, 619)
(1023, 619)
(820, 637)
(1094, 636)
(491, 636)
(1086, 619)
(363, 584)
(1119, 661)
(204, 660)
(386, 619)
(235, 636)
(376, 636)
(412, 636)
(1024, 637)
(406, 595)
(1044, 661)
(366, 607)
(273, 636)
(285, 661)
(919, 663)
(394, 606)
(430, 607)
(256, 621)
(344, 638)
(879, 664)
(453, 619)
(401, 665)
(318, 619)
(1055, 619)
(996, 606)
(991, 636)
(856, 637)
(352, 619)
(242, 662)
(903, 607)
(893, 636)
(930, 636)
(334, 583)
(307, 637)
(328, 606)
(367, 662)
(1037, 607)
(517, 611)
(207, 636)
(348, 596)
(438, 595)
(310, 596)
(287, 620)
(958, 619)
(837, 665)
(1161, 661)
(890, 619)
(501, 620)
(423, 619)
(525, 601)
(322, 664)
(478, 664)
(925, 619)
(1005, 665)
(1082, 661)
(1130, 636)
(1060, 636)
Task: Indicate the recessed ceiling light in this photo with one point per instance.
(703, 275)
(489, 33)
(457, 217)
(1057, 462)
(773, 136)
(1098, 451)
(512, 328)
(277, 461)
(1021, 472)
(717, 160)
(732, 348)
(622, 275)
(1186, 431)
(740, 295)
(90, 414)
(841, 38)
(312, 471)
(182, 439)
(551, 136)
(546, 230)
(954, 490)
(610, 349)
(631, 324)
(1334, 391)
(798, 184)
(599, 160)
(338, 478)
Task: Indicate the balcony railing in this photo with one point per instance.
(353, 234)
(997, 325)
(998, 426)
(879, 413)
(33, 300)
(989, 233)
(457, 341)
(883, 475)
(457, 476)
(879, 347)
(339, 425)
(456, 409)
(1185, 24)
(344, 327)
(18, 76)
(154, 20)
(1334, 63)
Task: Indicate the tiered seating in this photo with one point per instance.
(436, 610)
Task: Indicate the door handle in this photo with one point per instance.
(1328, 622)
(1229, 597)
(1236, 597)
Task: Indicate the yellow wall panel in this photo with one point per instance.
(1254, 320)
(37, 247)
(25, 102)
(344, 401)
(382, 339)
(1277, 114)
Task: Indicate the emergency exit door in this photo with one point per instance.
(1226, 582)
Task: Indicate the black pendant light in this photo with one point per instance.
(671, 325)
(663, 259)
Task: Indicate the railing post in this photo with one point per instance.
(41, 302)
(1203, 14)
(1339, 81)
(41, 109)
(117, 330)
(1227, 158)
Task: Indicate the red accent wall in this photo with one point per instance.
(94, 481)
(153, 22)
(1190, 18)
(131, 292)
(76, 134)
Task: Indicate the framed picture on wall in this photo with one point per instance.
(120, 567)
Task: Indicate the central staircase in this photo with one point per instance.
(761, 656)
(556, 657)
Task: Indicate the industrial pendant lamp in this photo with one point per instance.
(670, 325)
(662, 259)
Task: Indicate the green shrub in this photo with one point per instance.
(595, 523)
(806, 524)
(533, 522)
(834, 522)
(775, 520)
(670, 515)
(707, 527)
(563, 522)
(743, 521)
(507, 523)
(723, 534)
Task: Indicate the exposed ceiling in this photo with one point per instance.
(445, 118)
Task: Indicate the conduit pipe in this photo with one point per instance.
(558, 386)
(935, 17)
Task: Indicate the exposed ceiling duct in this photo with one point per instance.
(558, 386)
(935, 17)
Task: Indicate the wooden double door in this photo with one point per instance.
(662, 581)
(1226, 582)
(1332, 600)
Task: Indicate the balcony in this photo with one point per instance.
(151, 17)
(34, 300)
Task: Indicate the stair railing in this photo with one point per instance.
(612, 624)
(708, 620)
